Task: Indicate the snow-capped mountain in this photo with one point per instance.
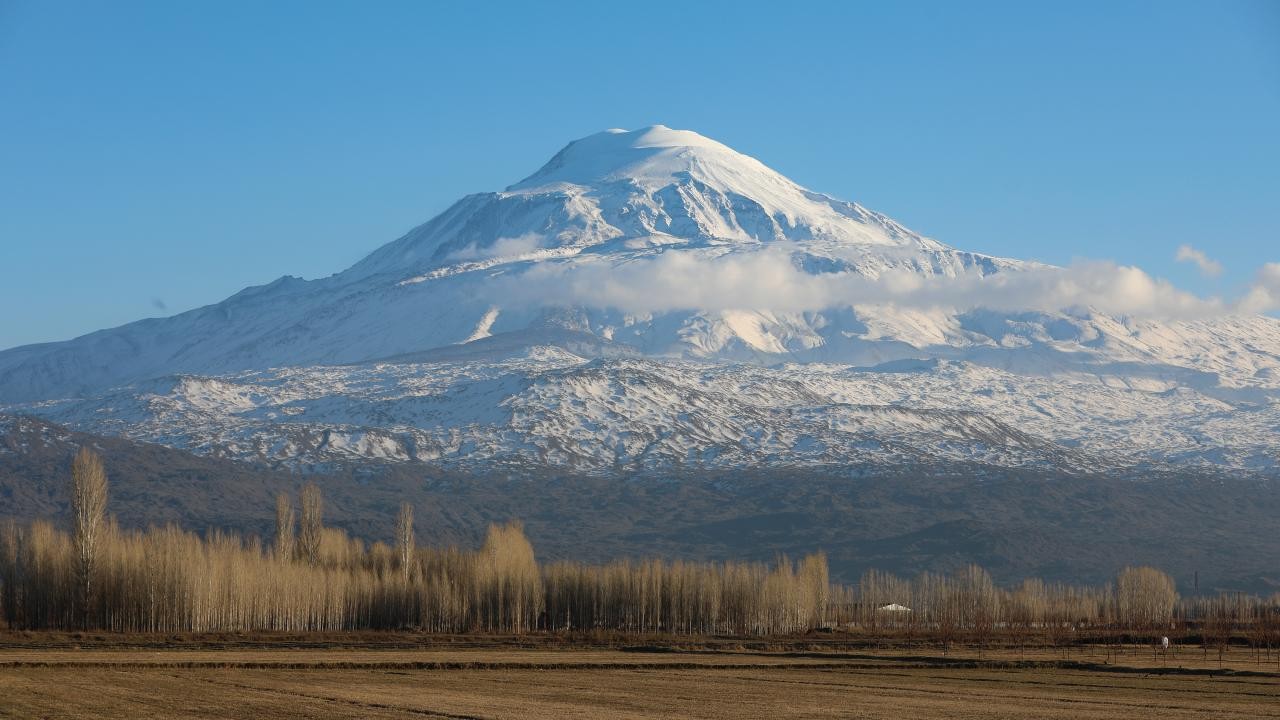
(653, 299)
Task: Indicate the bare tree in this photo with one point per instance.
(284, 528)
(404, 537)
(312, 526)
(978, 602)
(88, 510)
(11, 552)
(1218, 617)
(1144, 598)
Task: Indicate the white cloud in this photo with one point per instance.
(1208, 266)
(768, 279)
(506, 247)
(1264, 294)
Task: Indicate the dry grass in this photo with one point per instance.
(529, 684)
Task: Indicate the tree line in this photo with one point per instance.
(97, 575)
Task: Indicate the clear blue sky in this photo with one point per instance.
(174, 152)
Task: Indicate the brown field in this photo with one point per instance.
(396, 677)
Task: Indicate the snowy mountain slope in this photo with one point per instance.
(654, 299)
(427, 289)
(549, 407)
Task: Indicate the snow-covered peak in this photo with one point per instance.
(653, 157)
(653, 187)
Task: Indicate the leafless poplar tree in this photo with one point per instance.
(284, 528)
(312, 527)
(404, 537)
(1144, 598)
(88, 510)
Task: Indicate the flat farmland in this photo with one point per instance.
(43, 680)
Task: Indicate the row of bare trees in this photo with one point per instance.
(170, 580)
(1143, 598)
(313, 577)
(1220, 619)
(1142, 603)
(689, 598)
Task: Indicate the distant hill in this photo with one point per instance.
(1016, 523)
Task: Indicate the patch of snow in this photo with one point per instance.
(484, 326)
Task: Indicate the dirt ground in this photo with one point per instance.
(55, 680)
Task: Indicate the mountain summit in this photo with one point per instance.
(655, 299)
(653, 186)
(654, 156)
